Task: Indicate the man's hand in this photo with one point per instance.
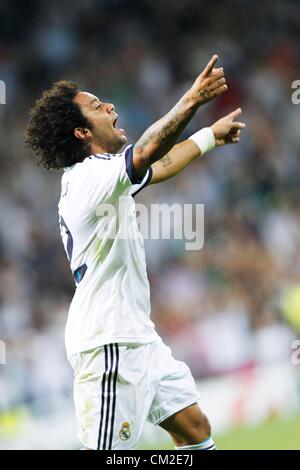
(210, 83)
(226, 130)
(159, 138)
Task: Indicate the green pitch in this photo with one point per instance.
(277, 434)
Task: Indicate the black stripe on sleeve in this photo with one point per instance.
(134, 178)
(149, 177)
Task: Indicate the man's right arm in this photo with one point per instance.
(159, 138)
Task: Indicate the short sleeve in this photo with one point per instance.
(138, 183)
(136, 188)
(107, 176)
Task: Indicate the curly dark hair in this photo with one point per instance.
(50, 132)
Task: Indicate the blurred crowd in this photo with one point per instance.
(218, 307)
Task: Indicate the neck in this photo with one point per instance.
(96, 148)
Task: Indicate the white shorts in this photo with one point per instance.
(118, 387)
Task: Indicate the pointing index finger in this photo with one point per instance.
(210, 65)
(234, 114)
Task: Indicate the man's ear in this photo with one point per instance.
(82, 133)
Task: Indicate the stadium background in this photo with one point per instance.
(221, 309)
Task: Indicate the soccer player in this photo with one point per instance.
(123, 372)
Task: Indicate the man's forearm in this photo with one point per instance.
(174, 161)
(224, 131)
(159, 138)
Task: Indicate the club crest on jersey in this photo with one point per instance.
(125, 431)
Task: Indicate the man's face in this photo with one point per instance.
(103, 118)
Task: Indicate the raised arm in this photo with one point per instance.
(159, 138)
(224, 131)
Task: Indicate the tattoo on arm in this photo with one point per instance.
(166, 160)
(164, 133)
(161, 131)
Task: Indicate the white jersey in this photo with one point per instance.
(105, 249)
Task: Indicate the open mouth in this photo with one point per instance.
(115, 126)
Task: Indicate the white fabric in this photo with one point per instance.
(106, 253)
(205, 139)
(207, 444)
(150, 385)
